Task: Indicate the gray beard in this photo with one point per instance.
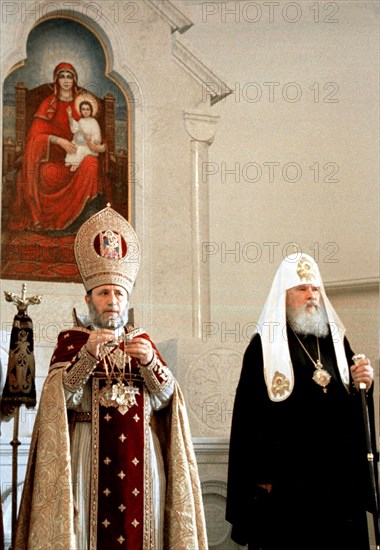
(114, 322)
(305, 323)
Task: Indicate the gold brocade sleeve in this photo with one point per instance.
(156, 375)
(79, 371)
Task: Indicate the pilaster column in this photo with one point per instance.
(201, 129)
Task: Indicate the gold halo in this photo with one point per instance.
(86, 96)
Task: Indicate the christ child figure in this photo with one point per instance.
(86, 135)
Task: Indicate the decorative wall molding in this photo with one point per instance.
(370, 283)
(217, 447)
(177, 20)
(213, 88)
(212, 458)
(201, 129)
(210, 385)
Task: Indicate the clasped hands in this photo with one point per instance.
(139, 348)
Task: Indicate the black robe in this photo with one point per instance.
(310, 447)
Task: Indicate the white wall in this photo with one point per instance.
(253, 44)
(305, 95)
(305, 82)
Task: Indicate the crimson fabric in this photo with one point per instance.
(119, 493)
(65, 66)
(310, 447)
(47, 508)
(120, 476)
(49, 196)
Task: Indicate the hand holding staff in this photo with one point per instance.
(370, 456)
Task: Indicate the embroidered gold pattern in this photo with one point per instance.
(280, 384)
(94, 467)
(114, 266)
(80, 416)
(139, 415)
(156, 376)
(107, 461)
(107, 492)
(106, 523)
(79, 371)
(305, 270)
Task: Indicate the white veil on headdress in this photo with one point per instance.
(296, 269)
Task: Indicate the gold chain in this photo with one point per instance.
(320, 375)
(317, 364)
(116, 358)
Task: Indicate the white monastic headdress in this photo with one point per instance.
(296, 269)
(107, 251)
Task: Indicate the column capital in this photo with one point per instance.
(200, 127)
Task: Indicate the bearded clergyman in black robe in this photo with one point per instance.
(298, 472)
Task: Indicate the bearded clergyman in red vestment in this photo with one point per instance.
(111, 464)
(49, 195)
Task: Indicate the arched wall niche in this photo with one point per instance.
(169, 114)
(126, 150)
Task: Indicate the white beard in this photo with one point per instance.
(308, 320)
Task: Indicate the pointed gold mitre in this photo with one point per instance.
(107, 251)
